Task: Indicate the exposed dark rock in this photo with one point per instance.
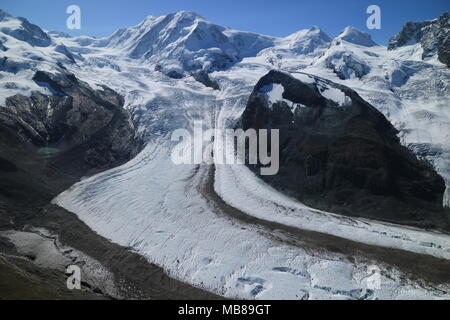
(174, 74)
(77, 129)
(7, 166)
(433, 35)
(344, 158)
(170, 73)
(63, 49)
(203, 77)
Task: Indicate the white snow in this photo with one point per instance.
(157, 208)
(154, 207)
(304, 77)
(355, 36)
(274, 93)
(334, 94)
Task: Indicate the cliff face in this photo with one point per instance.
(72, 133)
(339, 153)
(433, 36)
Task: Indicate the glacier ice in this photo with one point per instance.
(159, 209)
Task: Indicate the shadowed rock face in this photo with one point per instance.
(341, 154)
(77, 129)
(433, 36)
(203, 77)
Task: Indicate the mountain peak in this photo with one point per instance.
(307, 40)
(187, 14)
(21, 29)
(315, 30)
(175, 18)
(184, 17)
(185, 41)
(356, 36)
(305, 32)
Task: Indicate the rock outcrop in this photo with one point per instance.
(78, 129)
(433, 36)
(338, 153)
(203, 77)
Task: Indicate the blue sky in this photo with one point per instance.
(276, 17)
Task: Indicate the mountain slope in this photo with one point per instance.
(338, 153)
(165, 212)
(432, 36)
(392, 81)
(22, 30)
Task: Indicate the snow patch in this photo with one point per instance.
(274, 93)
(336, 95)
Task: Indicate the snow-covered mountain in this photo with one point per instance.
(25, 49)
(343, 56)
(21, 29)
(305, 41)
(184, 41)
(355, 36)
(165, 212)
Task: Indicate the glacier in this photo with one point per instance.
(176, 216)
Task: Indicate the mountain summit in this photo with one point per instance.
(20, 29)
(308, 40)
(355, 36)
(185, 41)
